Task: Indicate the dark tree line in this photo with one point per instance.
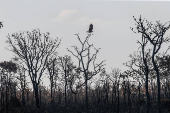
(85, 86)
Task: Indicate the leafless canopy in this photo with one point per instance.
(34, 49)
(154, 33)
(83, 53)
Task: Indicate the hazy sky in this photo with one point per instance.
(111, 19)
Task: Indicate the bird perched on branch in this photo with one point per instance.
(90, 28)
(1, 25)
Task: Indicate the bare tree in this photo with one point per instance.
(75, 81)
(21, 76)
(85, 58)
(33, 49)
(67, 68)
(114, 77)
(154, 33)
(142, 62)
(52, 67)
(146, 69)
(23, 83)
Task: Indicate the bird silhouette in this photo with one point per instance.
(90, 28)
(1, 25)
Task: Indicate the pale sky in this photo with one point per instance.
(111, 20)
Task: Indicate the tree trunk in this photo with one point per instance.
(3, 102)
(129, 99)
(23, 97)
(144, 58)
(153, 92)
(146, 83)
(27, 95)
(107, 97)
(53, 99)
(65, 92)
(40, 97)
(6, 98)
(139, 91)
(158, 83)
(124, 93)
(147, 94)
(75, 97)
(118, 98)
(2, 98)
(112, 98)
(51, 90)
(36, 96)
(51, 93)
(87, 104)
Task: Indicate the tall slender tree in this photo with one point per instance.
(154, 33)
(53, 69)
(67, 68)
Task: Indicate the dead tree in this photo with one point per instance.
(143, 66)
(114, 77)
(21, 76)
(75, 79)
(53, 74)
(33, 49)
(85, 59)
(154, 33)
(66, 67)
(22, 79)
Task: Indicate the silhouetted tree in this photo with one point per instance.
(142, 63)
(21, 76)
(7, 69)
(23, 82)
(75, 81)
(33, 49)
(85, 58)
(164, 66)
(114, 77)
(154, 33)
(67, 68)
(52, 67)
